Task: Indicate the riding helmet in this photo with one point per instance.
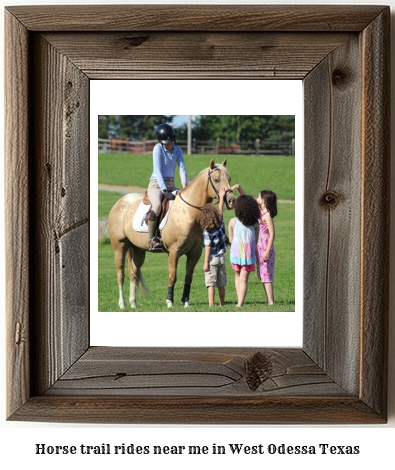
(165, 134)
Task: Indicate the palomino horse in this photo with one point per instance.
(182, 233)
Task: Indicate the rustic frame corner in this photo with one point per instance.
(340, 374)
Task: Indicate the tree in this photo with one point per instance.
(245, 128)
(108, 127)
(280, 128)
(132, 127)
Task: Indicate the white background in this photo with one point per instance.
(17, 440)
(188, 328)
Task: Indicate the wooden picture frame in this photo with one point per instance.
(340, 374)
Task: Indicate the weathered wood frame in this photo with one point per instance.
(340, 374)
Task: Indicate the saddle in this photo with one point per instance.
(163, 210)
(140, 219)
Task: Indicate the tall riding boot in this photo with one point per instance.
(153, 241)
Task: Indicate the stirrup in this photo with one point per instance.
(156, 244)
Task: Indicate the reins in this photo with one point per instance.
(189, 204)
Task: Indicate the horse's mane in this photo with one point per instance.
(205, 170)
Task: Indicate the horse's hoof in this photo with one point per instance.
(186, 305)
(133, 305)
(121, 306)
(169, 303)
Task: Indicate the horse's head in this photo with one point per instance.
(219, 177)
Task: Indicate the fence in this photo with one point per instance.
(218, 146)
(256, 147)
(103, 229)
(125, 145)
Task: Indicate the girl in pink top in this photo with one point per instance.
(267, 201)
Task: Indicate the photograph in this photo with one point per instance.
(219, 189)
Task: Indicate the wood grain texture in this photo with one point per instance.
(198, 410)
(200, 55)
(123, 385)
(196, 18)
(192, 372)
(332, 202)
(339, 376)
(17, 213)
(60, 197)
(375, 203)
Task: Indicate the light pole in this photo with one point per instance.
(189, 151)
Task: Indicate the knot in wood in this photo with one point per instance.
(339, 77)
(330, 199)
(133, 42)
(259, 369)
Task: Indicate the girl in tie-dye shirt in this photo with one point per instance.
(243, 233)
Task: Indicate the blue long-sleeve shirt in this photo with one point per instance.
(165, 164)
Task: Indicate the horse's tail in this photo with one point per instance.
(140, 281)
(135, 272)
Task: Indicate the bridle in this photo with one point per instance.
(209, 180)
(215, 189)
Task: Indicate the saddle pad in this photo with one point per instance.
(139, 224)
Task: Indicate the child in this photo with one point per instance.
(239, 189)
(243, 233)
(214, 239)
(267, 201)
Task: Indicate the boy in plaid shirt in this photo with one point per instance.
(215, 247)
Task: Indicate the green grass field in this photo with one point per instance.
(278, 172)
(252, 172)
(106, 201)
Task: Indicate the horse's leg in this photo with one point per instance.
(120, 249)
(172, 262)
(135, 258)
(192, 259)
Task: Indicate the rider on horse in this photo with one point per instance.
(166, 155)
